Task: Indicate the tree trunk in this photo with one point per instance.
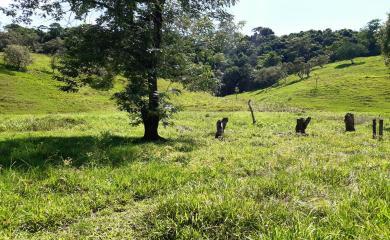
(151, 123)
(151, 117)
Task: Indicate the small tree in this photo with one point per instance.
(17, 56)
(266, 77)
(320, 60)
(349, 51)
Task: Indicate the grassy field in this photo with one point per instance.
(73, 168)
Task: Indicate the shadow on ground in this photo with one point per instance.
(345, 65)
(5, 70)
(42, 152)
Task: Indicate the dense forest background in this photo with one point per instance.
(219, 59)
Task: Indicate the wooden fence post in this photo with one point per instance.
(374, 128)
(221, 125)
(251, 109)
(349, 120)
(302, 125)
(380, 129)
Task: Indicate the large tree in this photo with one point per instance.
(369, 37)
(385, 41)
(349, 50)
(128, 38)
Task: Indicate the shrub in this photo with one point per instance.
(17, 56)
(320, 60)
(349, 51)
(266, 77)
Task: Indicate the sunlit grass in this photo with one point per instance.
(72, 167)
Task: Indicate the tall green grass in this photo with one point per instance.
(72, 167)
(261, 182)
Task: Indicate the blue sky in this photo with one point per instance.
(287, 16)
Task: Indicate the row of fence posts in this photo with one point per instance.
(349, 121)
(302, 124)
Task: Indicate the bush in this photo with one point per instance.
(320, 60)
(266, 77)
(17, 56)
(349, 51)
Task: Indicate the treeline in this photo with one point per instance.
(46, 40)
(209, 55)
(262, 59)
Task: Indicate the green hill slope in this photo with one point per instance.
(34, 91)
(363, 87)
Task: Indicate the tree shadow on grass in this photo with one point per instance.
(345, 65)
(5, 70)
(294, 81)
(43, 152)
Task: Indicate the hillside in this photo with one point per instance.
(34, 91)
(363, 87)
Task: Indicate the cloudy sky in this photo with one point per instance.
(287, 16)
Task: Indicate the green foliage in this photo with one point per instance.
(127, 39)
(349, 51)
(53, 46)
(369, 37)
(320, 60)
(266, 77)
(18, 35)
(200, 77)
(385, 41)
(270, 59)
(16, 56)
(40, 40)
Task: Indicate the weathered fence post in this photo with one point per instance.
(302, 125)
(374, 128)
(224, 123)
(380, 129)
(349, 120)
(221, 125)
(251, 109)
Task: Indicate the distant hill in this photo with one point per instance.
(363, 87)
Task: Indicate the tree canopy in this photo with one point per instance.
(385, 41)
(129, 38)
